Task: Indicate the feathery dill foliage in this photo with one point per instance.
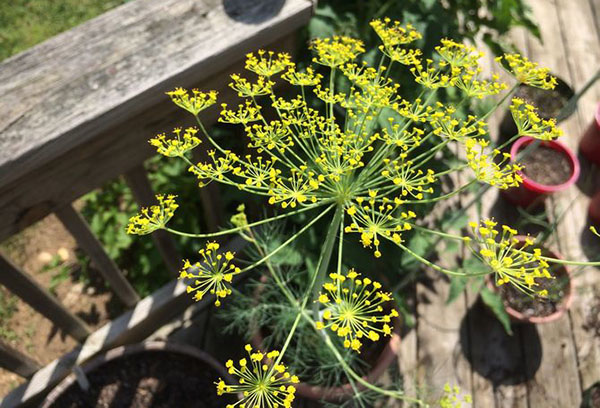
(329, 152)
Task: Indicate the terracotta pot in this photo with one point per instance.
(336, 394)
(508, 128)
(530, 192)
(124, 351)
(589, 146)
(562, 307)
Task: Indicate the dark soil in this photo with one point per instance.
(533, 306)
(548, 101)
(157, 379)
(546, 166)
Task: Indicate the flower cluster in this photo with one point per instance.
(510, 257)
(153, 218)
(489, 168)
(355, 309)
(530, 124)
(527, 72)
(262, 382)
(177, 146)
(194, 103)
(213, 274)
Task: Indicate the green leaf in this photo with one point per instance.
(494, 302)
(457, 286)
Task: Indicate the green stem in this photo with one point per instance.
(325, 257)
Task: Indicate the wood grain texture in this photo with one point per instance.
(67, 90)
(86, 239)
(16, 362)
(23, 286)
(110, 144)
(138, 182)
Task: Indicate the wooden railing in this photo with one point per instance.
(77, 111)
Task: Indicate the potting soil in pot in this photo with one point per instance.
(546, 166)
(549, 102)
(154, 379)
(533, 306)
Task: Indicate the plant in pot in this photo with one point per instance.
(547, 167)
(353, 162)
(142, 376)
(549, 102)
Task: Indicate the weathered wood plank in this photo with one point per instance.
(85, 238)
(152, 45)
(556, 381)
(110, 154)
(137, 180)
(20, 284)
(133, 326)
(580, 35)
(13, 360)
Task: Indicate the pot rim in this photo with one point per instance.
(132, 349)
(562, 307)
(555, 145)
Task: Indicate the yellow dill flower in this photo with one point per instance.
(472, 87)
(446, 125)
(337, 50)
(299, 188)
(354, 309)
(267, 63)
(262, 381)
(530, 124)
(401, 137)
(488, 168)
(275, 135)
(452, 397)
(153, 218)
(327, 96)
(211, 275)
(194, 103)
(414, 111)
(458, 55)
(405, 178)
(178, 146)
(527, 72)
(246, 89)
(432, 77)
(512, 260)
(258, 173)
(307, 78)
(220, 166)
(377, 218)
(393, 33)
(245, 114)
(282, 104)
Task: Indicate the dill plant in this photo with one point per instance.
(333, 156)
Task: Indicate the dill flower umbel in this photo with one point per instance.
(211, 275)
(354, 309)
(194, 103)
(528, 73)
(490, 170)
(530, 124)
(262, 382)
(509, 257)
(153, 218)
(178, 146)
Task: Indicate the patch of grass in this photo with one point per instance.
(8, 307)
(24, 23)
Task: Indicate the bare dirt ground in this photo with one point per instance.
(25, 329)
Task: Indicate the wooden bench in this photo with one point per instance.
(77, 111)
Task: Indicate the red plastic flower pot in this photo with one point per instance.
(530, 192)
(594, 209)
(589, 146)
